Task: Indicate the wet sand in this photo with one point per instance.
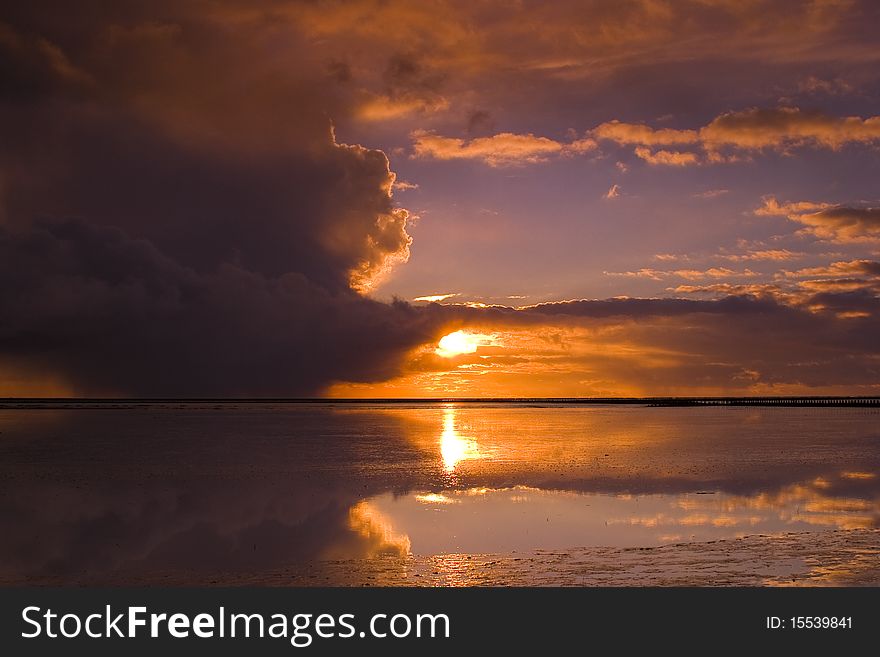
(836, 558)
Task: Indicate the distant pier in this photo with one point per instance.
(767, 401)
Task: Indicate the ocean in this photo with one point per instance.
(437, 493)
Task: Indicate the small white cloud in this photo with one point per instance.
(434, 298)
(403, 185)
(711, 193)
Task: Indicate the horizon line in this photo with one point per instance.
(618, 400)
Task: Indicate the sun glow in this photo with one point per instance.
(460, 342)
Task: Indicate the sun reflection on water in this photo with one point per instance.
(454, 447)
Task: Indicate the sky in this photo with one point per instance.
(397, 199)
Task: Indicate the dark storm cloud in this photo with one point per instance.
(731, 325)
(627, 307)
(113, 313)
(727, 325)
(177, 216)
(31, 66)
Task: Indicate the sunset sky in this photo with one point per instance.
(303, 198)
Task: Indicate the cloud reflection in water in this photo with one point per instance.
(523, 518)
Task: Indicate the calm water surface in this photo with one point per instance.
(209, 492)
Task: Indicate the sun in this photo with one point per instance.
(459, 342)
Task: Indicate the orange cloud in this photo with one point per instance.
(780, 128)
(689, 274)
(835, 223)
(386, 108)
(843, 224)
(637, 133)
(667, 158)
(840, 268)
(503, 149)
(764, 254)
(773, 208)
(837, 285)
(783, 127)
(471, 38)
(751, 289)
